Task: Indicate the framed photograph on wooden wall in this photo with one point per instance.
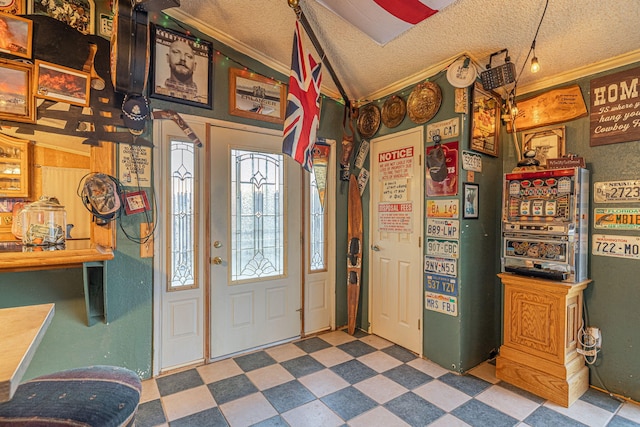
(182, 68)
(17, 91)
(16, 35)
(548, 143)
(485, 121)
(78, 14)
(62, 84)
(14, 7)
(471, 201)
(256, 97)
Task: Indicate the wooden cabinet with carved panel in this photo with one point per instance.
(15, 168)
(540, 337)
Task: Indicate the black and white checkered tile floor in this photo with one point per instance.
(336, 379)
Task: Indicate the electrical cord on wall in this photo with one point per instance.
(149, 214)
(592, 342)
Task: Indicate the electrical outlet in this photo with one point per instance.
(595, 336)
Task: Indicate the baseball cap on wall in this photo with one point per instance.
(135, 111)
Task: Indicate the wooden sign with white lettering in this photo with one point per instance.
(615, 108)
(555, 106)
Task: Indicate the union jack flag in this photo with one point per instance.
(303, 105)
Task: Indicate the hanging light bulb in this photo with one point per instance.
(535, 65)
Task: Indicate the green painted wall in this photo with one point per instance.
(69, 342)
(611, 299)
(461, 342)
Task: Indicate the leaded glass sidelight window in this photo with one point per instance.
(317, 229)
(257, 215)
(182, 223)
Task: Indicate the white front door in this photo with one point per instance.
(396, 229)
(255, 220)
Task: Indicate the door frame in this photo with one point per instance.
(418, 218)
(160, 249)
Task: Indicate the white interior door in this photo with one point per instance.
(395, 230)
(255, 240)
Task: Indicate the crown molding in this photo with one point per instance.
(419, 76)
(578, 73)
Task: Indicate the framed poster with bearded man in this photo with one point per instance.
(182, 68)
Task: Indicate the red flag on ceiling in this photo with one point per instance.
(384, 20)
(303, 105)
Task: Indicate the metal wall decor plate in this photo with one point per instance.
(393, 111)
(424, 102)
(369, 120)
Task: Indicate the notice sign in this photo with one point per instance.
(620, 219)
(135, 165)
(395, 217)
(441, 303)
(396, 164)
(395, 190)
(615, 108)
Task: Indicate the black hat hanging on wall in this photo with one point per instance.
(437, 161)
(135, 112)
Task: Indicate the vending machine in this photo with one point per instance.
(545, 224)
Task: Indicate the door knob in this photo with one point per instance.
(217, 244)
(375, 248)
(217, 260)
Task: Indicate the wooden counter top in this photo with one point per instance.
(21, 330)
(74, 255)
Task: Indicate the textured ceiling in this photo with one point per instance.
(576, 36)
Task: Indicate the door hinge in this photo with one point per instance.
(418, 324)
(419, 241)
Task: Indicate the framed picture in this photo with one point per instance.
(485, 121)
(256, 97)
(548, 143)
(62, 84)
(136, 202)
(78, 14)
(17, 91)
(14, 7)
(182, 68)
(16, 34)
(471, 196)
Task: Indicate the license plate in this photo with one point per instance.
(620, 219)
(441, 303)
(616, 246)
(441, 284)
(616, 191)
(446, 208)
(442, 248)
(448, 267)
(447, 228)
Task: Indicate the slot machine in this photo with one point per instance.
(545, 224)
